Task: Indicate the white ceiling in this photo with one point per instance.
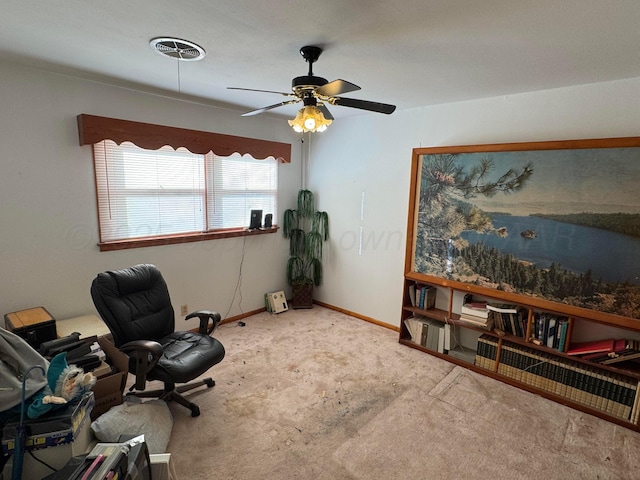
(405, 52)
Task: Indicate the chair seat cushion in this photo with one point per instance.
(187, 355)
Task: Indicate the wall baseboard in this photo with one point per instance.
(357, 315)
(235, 318)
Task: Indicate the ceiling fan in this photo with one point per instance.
(315, 92)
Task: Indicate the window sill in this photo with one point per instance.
(187, 238)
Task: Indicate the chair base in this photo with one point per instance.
(173, 393)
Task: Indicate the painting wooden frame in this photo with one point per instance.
(559, 219)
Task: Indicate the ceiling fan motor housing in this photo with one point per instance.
(307, 82)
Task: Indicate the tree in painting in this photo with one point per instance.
(444, 210)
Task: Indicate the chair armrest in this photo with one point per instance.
(206, 328)
(146, 354)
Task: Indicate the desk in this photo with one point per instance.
(85, 325)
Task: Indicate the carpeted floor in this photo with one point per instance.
(316, 394)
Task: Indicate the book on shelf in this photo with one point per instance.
(539, 320)
(623, 356)
(618, 346)
(422, 295)
(473, 319)
(486, 352)
(596, 346)
(436, 335)
(448, 334)
(475, 309)
(412, 327)
(412, 294)
(562, 334)
(424, 332)
(486, 323)
(598, 389)
(501, 307)
(516, 324)
(409, 326)
(551, 333)
(550, 330)
(429, 333)
(624, 350)
(511, 323)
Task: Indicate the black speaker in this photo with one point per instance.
(268, 218)
(256, 219)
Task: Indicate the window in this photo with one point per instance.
(158, 185)
(165, 192)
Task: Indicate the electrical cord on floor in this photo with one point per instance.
(230, 325)
(238, 289)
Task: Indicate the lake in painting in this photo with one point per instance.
(610, 256)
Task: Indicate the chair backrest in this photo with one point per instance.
(134, 303)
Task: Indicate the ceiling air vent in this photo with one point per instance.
(177, 48)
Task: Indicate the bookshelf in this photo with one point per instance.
(611, 392)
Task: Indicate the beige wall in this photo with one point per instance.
(48, 219)
(370, 156)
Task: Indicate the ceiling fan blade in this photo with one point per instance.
(325, 111)
(264, 91)
(270, 107)
(364, 105)
(337, 87)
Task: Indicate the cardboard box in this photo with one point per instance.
(109, 388)
(102, 370)
(35, 325)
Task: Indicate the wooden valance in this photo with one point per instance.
(93, 129)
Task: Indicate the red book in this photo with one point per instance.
(480, 305)
(620, 345)
(597, 346)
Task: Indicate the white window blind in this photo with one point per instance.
(146, 193)
(238, 184)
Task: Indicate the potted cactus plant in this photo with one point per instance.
(307, 229)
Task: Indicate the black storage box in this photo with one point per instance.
(35, 325)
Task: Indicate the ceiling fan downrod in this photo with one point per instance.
(310, 53)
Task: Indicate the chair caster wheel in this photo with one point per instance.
(195, 411)
(209, 382)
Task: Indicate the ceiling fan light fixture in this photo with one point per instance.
(309, 119)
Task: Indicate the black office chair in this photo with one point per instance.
(134, 303)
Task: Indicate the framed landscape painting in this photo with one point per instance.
(555, 220)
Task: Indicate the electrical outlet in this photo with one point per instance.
(184, 309)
